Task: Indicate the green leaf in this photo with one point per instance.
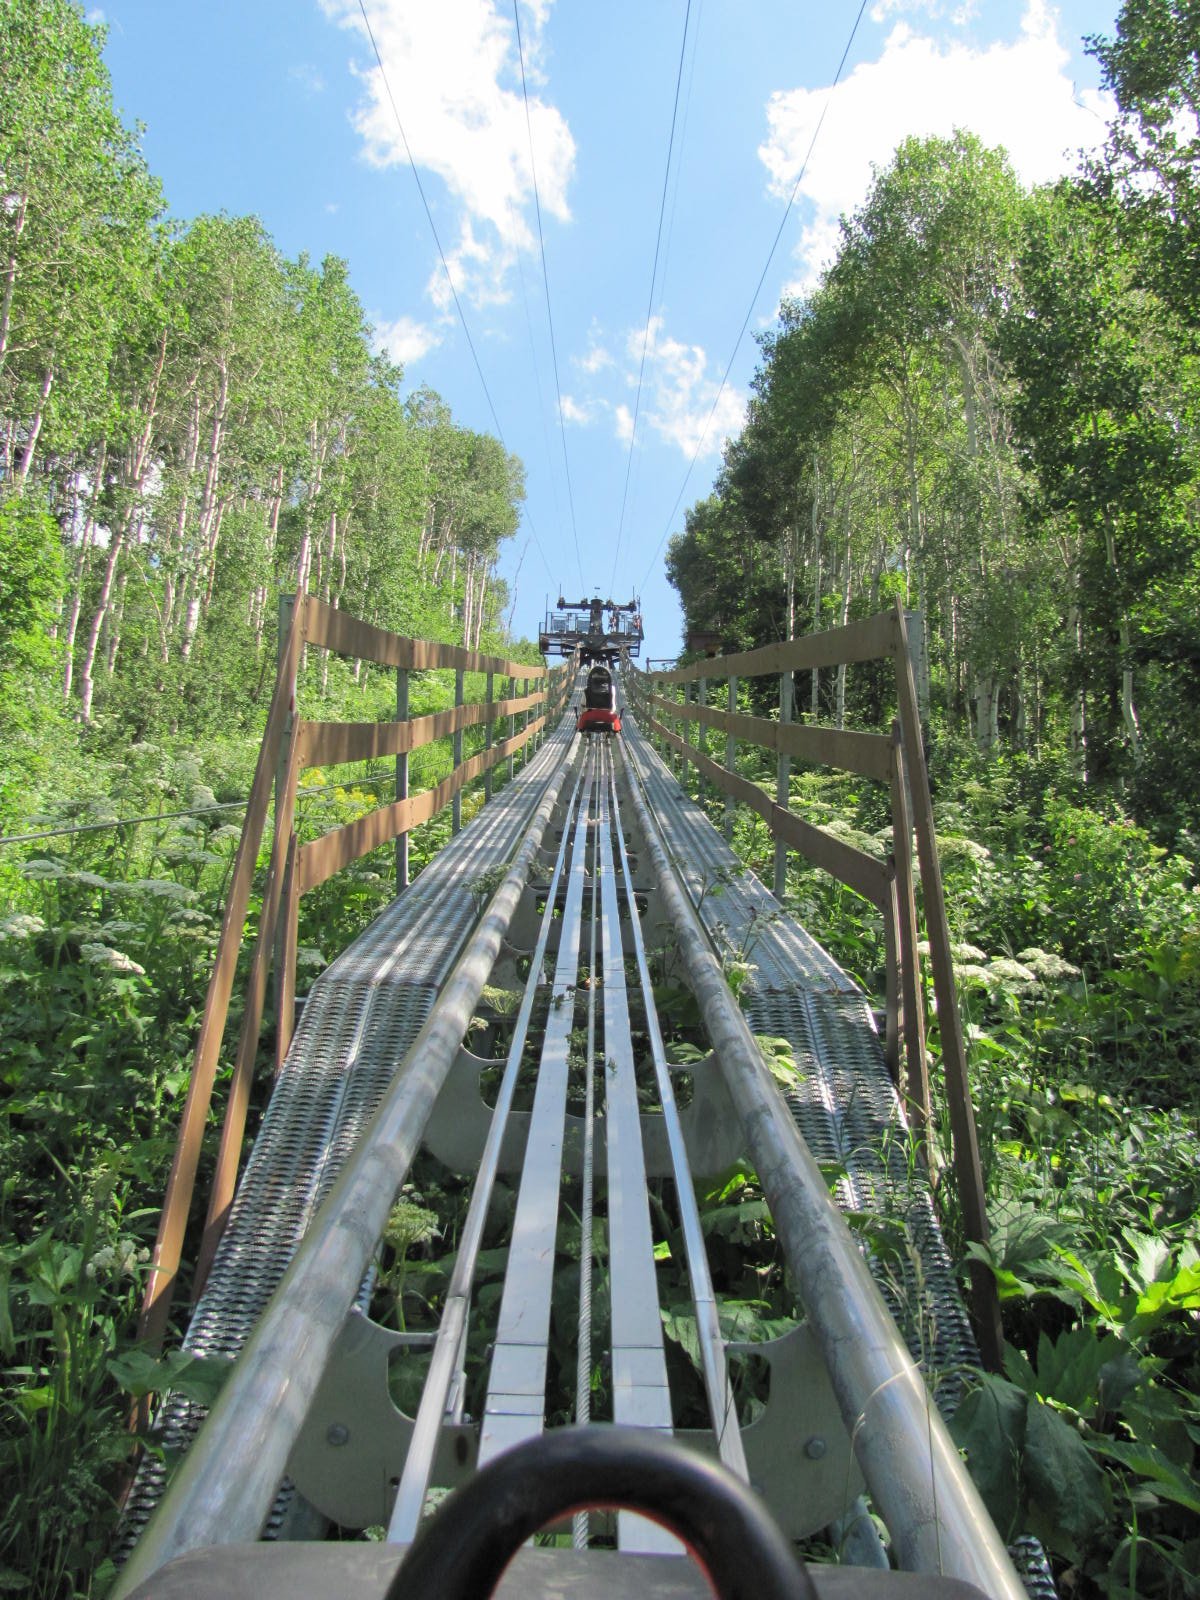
(199, 1378)
(1170, 1481)
(1067, 1504)
(990, 1426)
(1068, 1368)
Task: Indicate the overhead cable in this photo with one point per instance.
(537, 202)
(837, 77)
(662, 208)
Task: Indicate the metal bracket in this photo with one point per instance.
(458, 1126)
(349, 1455)
(800, 1457)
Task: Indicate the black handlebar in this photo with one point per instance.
(461, 1552)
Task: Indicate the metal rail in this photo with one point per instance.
(933, 1511)
(517, 1383)
(230, 1477)
(452, 1331)
(899, 760)
(708, 1327)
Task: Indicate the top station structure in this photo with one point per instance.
(599, 630)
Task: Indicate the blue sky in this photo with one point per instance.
(276, 107)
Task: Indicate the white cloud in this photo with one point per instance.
(934, 9)
(308, 77)
(1013, 93)
(575, 411)
(405, 339)
(454, 75)
(679, 395)
(95, 17)
(596, 360)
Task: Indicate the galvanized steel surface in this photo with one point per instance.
(371, 1004)
(846, 1104)
(918, 1481)
(364, 1013)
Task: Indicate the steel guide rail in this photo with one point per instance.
(517, 1382)
(708, 1328)
(226, 1481)
(452, 1331)
(917, 1479)
(641, 1393)
(846, 1104)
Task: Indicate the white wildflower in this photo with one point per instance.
(970, 972)
(103, 955)
(1046, 964)
(21, 925)
(1004, 970)
(163, 888)
(957, 844)
(967, 952)
(42, 868)
(90, 880)
(121, 1258)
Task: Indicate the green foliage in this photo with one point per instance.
(30, 587)
(1076, 955)
(106, 944)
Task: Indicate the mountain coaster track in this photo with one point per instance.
(598, 871)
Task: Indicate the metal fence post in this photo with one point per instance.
(487, 736)
(730, 759)
(783, 775)
(402, 779)
(701, 737)
(456, 813)
(512, 725)
(287, 604)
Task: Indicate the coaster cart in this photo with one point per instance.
(600, 713)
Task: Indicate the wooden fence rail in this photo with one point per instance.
(290, 745)
(897, 758)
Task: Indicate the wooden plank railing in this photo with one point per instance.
(897, 759)
(290, 745)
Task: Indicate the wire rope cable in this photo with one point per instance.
(442, 255)
(192, 811)
(366, 781)
(662, 209)
(837, 78)
(537, 205)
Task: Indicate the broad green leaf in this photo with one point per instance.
(1067, 1502)
(199, 1378)
(990, 1426)
(1169, 1480)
